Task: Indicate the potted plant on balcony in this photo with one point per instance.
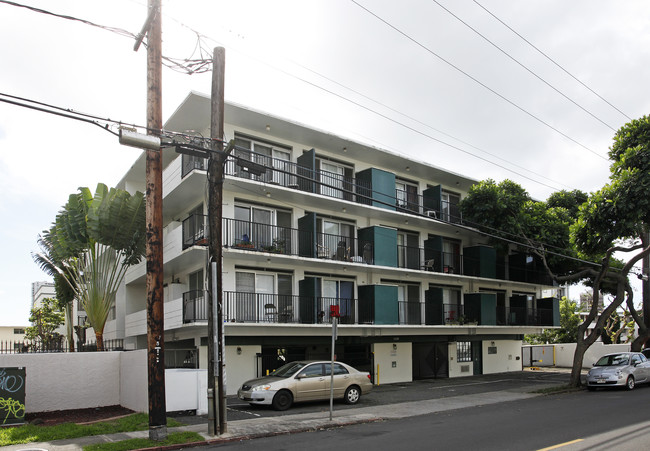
(244, 243)
(276, 248)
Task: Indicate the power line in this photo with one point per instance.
(525, 67)
(501, 96)
(551, 60)
(204, 62)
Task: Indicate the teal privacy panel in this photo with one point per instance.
(307, 171)
(307, 235)
(481, 307)
(384, 244)
(431, 198)
(433, 251)
(548, 310)
(480, 261)
(378, 303)
(309, 291)
(381, 187)
(12, 395)
(433, 309)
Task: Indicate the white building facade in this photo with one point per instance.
(320, 221)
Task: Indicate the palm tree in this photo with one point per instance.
(91, 245)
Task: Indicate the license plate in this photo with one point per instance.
(601, 381)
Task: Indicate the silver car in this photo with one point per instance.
(305, 381)
(623, 369)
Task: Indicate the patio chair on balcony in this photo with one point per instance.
(428, 265)
(342, 252)
(270, 313)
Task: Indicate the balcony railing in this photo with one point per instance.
(195, 306)
(292, 175)
(410, 313)
(519, 316)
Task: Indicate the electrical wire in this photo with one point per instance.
(204, 63)
(551, 59)
(524, 66)
(477, 81)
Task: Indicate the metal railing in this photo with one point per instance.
(410, 313)
(195, 306)
(60, 344)
(520, 316)
(293, 175)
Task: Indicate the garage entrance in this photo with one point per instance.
(430, 360)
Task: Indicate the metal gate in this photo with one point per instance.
(540, 355)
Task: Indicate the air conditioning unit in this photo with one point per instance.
(432, 214)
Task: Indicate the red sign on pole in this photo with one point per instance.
(334, 311)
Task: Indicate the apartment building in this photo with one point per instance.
(313, 220)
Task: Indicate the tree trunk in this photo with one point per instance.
(578, 357)
(99, 337)
(69, 326)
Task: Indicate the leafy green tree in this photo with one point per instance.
(94, 240)
(45, 320)
(612, 220)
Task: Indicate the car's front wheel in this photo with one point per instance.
(630, 384)
(352, 395)
(282, 400)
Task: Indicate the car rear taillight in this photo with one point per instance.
(369, 378)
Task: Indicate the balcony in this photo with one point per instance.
(269, 308)
(518, 316)
(355, 189)
(410, 313)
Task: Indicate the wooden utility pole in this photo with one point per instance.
(154, 248)
(217, 423)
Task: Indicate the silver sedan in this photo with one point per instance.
(306, 381)
(623, 369)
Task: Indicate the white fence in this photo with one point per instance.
(76, 380)
(561, 355)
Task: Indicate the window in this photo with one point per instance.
(464, 351)
(335, 239)
(274, 158)
(449, 210)
(408, 252)
(315, 370)
(451, 256)
(261, 228)
(257, 298)
(337, 292)
(406, 195)
(334, 178)
(19, 331)
(338, 369)
(408, 299)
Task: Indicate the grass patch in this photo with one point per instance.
(175, 438)
(31, 433)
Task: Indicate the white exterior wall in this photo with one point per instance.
(393, 362)
(134, 381)
(240, 367)
(507, 358)
(61, 381)
(564, 353)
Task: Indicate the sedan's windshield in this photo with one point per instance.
(613, 360)
(289, 369)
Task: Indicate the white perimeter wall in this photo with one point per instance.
(61, 381)
(564, 353)
(393, 362)
(507, 357)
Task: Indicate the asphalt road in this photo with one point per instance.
(412, 391)
(570, 421)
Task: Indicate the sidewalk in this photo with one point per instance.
(285, 424)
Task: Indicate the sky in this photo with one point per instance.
(531, 91)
